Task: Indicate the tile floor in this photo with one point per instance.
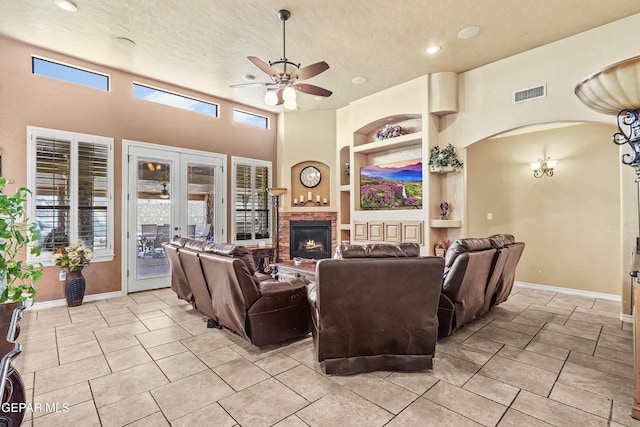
(147, 359)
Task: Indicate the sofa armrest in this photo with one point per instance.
(261, 277)
(273, 287)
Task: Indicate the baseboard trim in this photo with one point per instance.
(626, 317)
(589, 294)
(623, 317)
(61, 302)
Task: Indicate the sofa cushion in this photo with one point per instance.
(179, 241)
(501, 240)
(378, 250)
(196, 245)
(465, 245)
(234, 251)
(224, 249)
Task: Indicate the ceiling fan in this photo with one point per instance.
(286, 76)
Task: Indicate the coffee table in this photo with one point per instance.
(289, 270)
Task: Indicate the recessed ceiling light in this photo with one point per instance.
(67, 5)
(359, 80)
(433, 49)
(125, 42)
(468, 33)
(318, 98)
(248, 77)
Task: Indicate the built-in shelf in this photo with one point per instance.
(448, 169)
(345, 187)
(404, 141)
(446, 223)
(344, 226)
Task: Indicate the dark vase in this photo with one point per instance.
(74, 288)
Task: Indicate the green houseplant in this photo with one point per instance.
(16, 276)
(443, 159)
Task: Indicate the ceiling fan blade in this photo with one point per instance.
(252, 84)
(312, 90)
(310, 71)
(272, 72)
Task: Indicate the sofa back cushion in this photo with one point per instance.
(233, 289)
(377, 250)
(461, 246)
(501, 240)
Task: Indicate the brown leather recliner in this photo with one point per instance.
(479, 274)
(504, 283)
(225, 287)
(469, 265)
(376, 308)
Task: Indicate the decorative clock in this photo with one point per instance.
(310, 176)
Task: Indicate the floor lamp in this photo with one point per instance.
(275, 196)
(616, 90)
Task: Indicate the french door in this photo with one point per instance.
(169, 191)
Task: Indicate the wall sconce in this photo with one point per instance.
(543, 167)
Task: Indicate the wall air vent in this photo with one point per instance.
(529, 94)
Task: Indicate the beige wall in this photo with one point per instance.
(486, 109)
(27, 99)
(306, 136)
(570, 222)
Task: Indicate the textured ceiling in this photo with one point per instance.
(203, 44)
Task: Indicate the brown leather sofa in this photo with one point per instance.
(375, 308)
(219, 280)
(479, 274)
(507, 277)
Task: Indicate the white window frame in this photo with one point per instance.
(253, 163)
(245, 113)
(33, 133)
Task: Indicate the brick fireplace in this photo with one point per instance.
(287, 217)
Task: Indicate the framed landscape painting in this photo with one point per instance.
(395, 185)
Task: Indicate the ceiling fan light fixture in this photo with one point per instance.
(290, 104)
(289, 94)
(271, 98)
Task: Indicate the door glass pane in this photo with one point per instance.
(153, 216)
(200, 201)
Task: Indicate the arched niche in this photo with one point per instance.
(321, 191)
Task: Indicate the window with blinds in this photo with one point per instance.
(252, 210)
(71, 182)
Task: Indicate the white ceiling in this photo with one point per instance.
(203, 44)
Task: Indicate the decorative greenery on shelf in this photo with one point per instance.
(390, 131)
(16, 276)
(445, 157)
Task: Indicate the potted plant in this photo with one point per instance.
(444, 160)
(389, 131)
(74, 259)
(16, 276)
(441, 247)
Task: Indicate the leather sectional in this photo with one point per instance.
(220, 281)
(375, 308)
(479, 274)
